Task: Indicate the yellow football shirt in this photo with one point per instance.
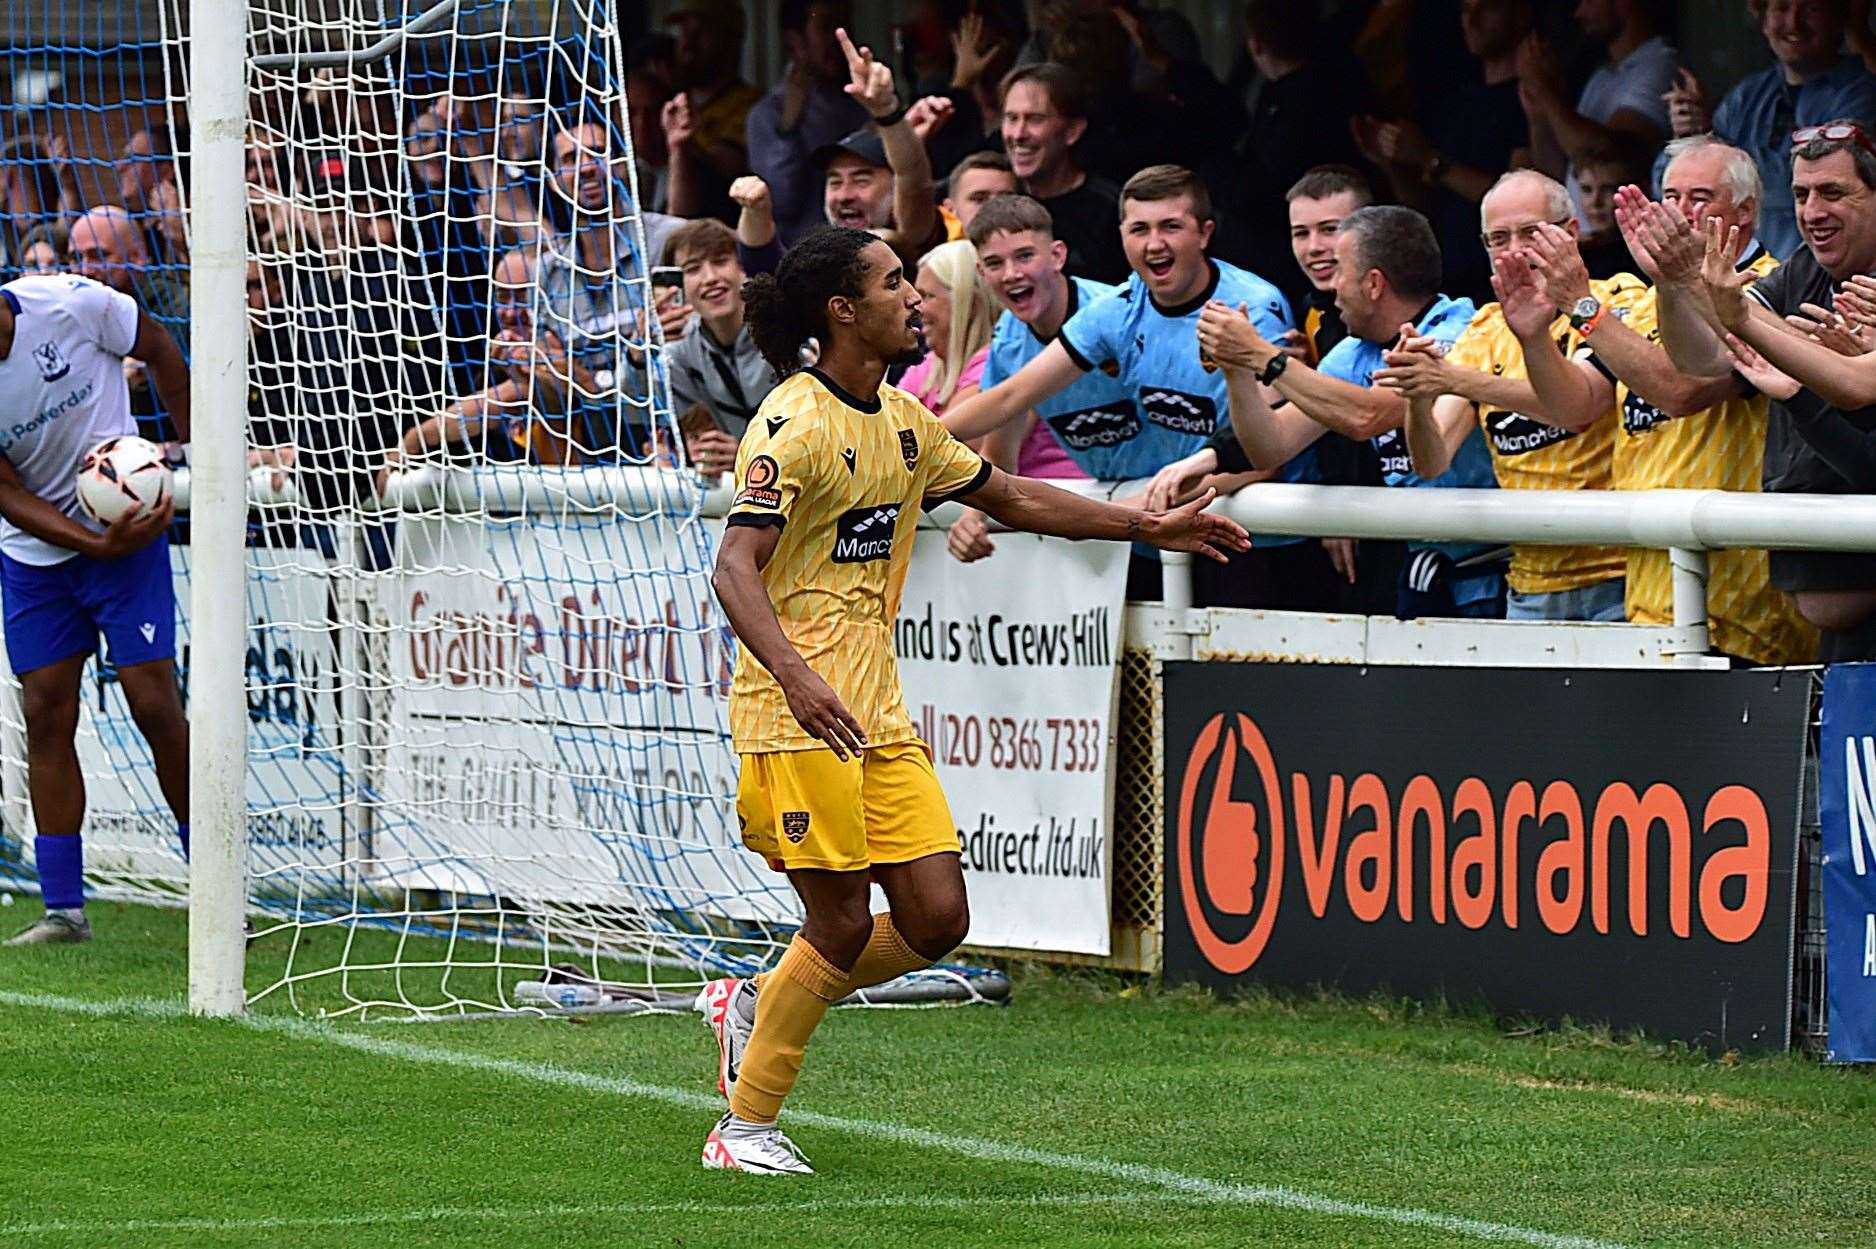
(1530, 455)
(1720, 448)
(843, 478)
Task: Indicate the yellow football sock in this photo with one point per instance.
(886, 957)
(794, 998)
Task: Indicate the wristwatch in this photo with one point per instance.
(1584, 314)
(1272, 371)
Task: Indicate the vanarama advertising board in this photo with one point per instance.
(1605, 846)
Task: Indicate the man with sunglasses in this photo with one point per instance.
(1813, 81)
(1810, 446)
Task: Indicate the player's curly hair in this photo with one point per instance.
(787, 308)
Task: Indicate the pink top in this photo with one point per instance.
(921, 380)
(1041, 454)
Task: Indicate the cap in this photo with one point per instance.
(864, 143)
(725, 13)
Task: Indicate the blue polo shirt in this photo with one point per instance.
(1154, 352)
(1095, 420)
(1759, 115)
(1355, 360)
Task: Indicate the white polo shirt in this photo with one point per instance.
(62, 392)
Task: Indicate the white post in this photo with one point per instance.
(1175, 571)
(1690, 604)
(218, 508)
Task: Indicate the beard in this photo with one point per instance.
(907, 356)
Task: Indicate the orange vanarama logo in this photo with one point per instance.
(1375, 850)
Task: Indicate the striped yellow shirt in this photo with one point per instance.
(1721, 448)
(843, 479)
(1530, 455)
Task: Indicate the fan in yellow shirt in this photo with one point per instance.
(1484, 379)
(836, 788)
(1675, 430)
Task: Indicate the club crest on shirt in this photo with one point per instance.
(795, 825)
(908, 447)
(51, 361)
(759, 484)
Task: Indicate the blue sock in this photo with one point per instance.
(61, 871)
(182, 835)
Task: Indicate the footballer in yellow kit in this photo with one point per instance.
(844, 479)
(836, 788)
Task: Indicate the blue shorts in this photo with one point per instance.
(57, 611)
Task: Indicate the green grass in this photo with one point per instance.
(112, 1126)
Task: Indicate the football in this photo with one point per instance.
(122, 475)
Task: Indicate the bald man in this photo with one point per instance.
(107, 247)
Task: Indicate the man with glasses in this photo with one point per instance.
(1677, 429)
(1482, 381)
(1817, 437)
(1813, 81)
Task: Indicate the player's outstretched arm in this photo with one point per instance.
(1027, 504)
(168, 371)
(989, 410)
(744, 553)
(130, 532)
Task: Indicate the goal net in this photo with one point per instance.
(488, 762)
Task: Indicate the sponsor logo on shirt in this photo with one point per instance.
(759, 484)
(54, 412)
(864, 534)
(51, 361)
(1512, 434)
(1180, 412)
(1096, 427)
(1391, 448)
(1639, 416)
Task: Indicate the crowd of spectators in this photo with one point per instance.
(1424, 244)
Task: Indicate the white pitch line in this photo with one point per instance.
(1194, 1186)
(583, 1213)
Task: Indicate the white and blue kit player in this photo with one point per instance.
(64, 580)
(1144, 336)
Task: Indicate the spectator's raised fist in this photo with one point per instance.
(928, 115)
(677, 121)
(751, 193)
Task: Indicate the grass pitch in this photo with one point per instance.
(1087, 1113)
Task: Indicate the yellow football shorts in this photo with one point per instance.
(807, 809)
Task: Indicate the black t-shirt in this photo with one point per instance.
(1792, 463)
(1088, 220)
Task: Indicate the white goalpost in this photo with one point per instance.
(458, 721)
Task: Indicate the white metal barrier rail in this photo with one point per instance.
(1685, 523)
